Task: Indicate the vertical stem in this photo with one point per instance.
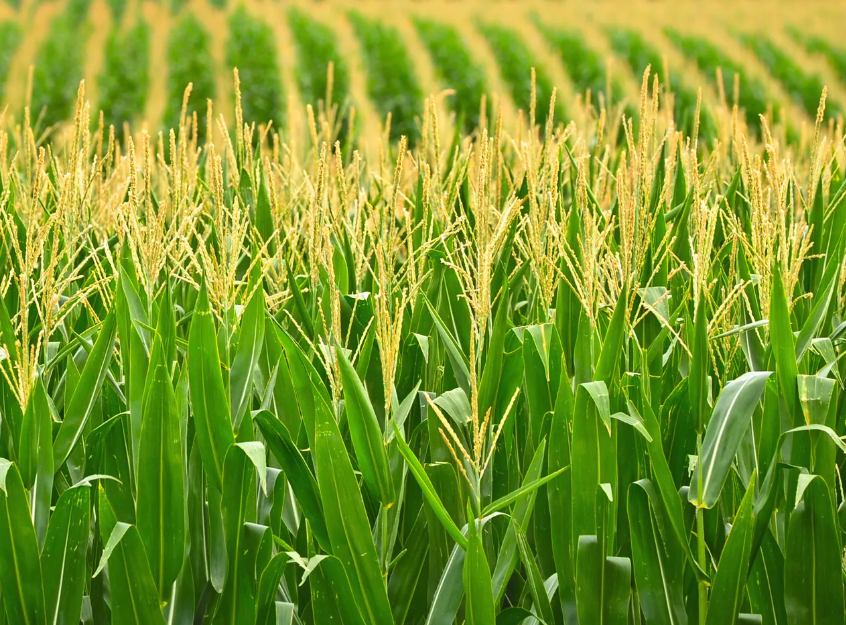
(700, 535)
(702, 555)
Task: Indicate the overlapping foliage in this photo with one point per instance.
(528, 376)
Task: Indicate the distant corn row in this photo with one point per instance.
(392, 82)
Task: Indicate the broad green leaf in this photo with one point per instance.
(559, 496)
(663, 480)
(269, 581)
(407, 573)
(534, 579)
(20, 567)
(212, 422)
(134, 599)
(63, 561)
(161, 480)
(35, 454)
(508, 555)
(781, 338)
(250, 342)
(812, 566)
(346, 518)
(331, 595)
(429, 490)
(727, 592)
(366, 434)
(603, 584)
(479, 598)
(655, 558)
(815, 395)
(238, 505)
(297, 473)
(450, 589)
(459, 362)
(599, 394)
(729, 422)
(87, 391)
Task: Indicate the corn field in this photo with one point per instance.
(533, 359)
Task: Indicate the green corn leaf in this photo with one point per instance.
(134, 599)
(208, 397)
(63, 561)
(35, 454)
(784, 351)
(20, 567)
(663, 479)
(479, 598)
(506, 559)
(603, 584)
(366, 434)
(407, 573)
(296, 471)
(87, 391)
(238, 507)
(331, 595)
(268, 585)
(459, 362)
(246, 362)
(655, 557)
(727, 592)
(812, 567)
(729, 422)
(161, 485)
(429, 490)
(450, 589)
(534, 579)
(346, 519)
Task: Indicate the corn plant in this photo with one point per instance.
(552, 380)
(586, 69)
(118, 9)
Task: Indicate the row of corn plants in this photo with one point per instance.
(456, 69)
(835, 55)
(520, 70)
(189, 62)
(802, 86)
(392, 82)
(10, 38)
(725, 74)
(322, 87)
(639, 53)
(125, 79)
(548, 379)
(251, 48)
(59, 65)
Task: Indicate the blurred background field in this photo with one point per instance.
(137, 57)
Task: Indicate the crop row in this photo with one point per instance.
(392, 82)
